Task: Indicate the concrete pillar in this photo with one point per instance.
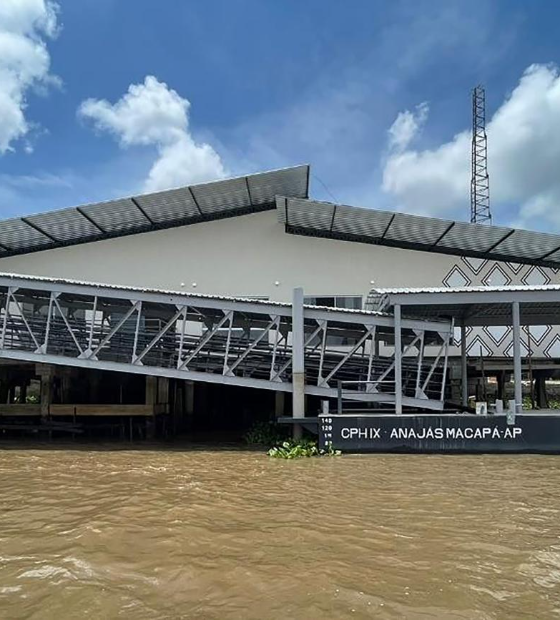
(398, 360)
(516, 322)
(65, 384)
(279, 401)
(500, 381)
(94, 380)
(189, 397)
(151, 390)
(163, 392)
(540, 391)
(4, 386)
(151, 399)
(47, 375)
(298, 360)
(464, 373)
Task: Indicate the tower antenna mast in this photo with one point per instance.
(480, 185)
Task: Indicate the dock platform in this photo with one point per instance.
(535, 432)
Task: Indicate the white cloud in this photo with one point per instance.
(407, 126)
(43, 179)
(24, 61)
(523, 160)
(153, 114)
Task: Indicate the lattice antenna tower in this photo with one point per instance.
(480, 184)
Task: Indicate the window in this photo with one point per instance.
(352, 302)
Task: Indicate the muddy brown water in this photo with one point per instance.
(219, 534)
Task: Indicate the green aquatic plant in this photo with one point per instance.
(552, 403)
(330, 451)
(265, 434)
(298, 449)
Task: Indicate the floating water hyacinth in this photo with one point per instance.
(302, 448)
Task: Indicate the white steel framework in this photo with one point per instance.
(224, 340)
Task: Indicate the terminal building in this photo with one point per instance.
(174, 312)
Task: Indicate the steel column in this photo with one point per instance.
(516, 322)
(464, 374)
(398, 360)
(298, 364)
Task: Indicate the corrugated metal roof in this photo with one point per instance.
(11, 278)
(137, 214)
(324, 219)
(472, 305)
(466, 289)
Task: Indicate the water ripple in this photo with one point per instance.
(149, 533)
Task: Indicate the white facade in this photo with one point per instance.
(252, 255)
(239, 256)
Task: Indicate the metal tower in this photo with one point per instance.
(480, 186)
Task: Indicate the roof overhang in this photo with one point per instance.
(149, 212)
(476, 306)
(415, 232)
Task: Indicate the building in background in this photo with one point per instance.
(259, 237)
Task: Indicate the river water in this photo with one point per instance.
(104, 533)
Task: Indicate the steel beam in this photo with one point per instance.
(187, 353)
(158, 336)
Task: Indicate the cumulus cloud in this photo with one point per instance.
(152, 114)
(407, 126)
(24, 61)
(523, 159)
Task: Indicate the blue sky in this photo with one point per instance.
(272, 84)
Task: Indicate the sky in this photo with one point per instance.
(107, 98)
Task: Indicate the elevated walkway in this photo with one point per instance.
(223, 340)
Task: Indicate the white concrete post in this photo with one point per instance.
(398, 360)
(298, 360)
(464, 375)
(516, 321)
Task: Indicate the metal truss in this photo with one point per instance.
(480, 184)
(220, 340)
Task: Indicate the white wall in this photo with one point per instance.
(237, 256)
(246, 255)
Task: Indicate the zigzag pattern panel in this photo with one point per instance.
(543, 341)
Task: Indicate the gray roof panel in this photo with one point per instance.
(174, 204)
(416, 229)
(116, 215)
(419, 232)
(310, 214)
(527, 244)
(222, 196)
(64, 225)
(361, 222)
(554, 257)
(265, 186)
(167, 209)
(16, 234)
(472, 237)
